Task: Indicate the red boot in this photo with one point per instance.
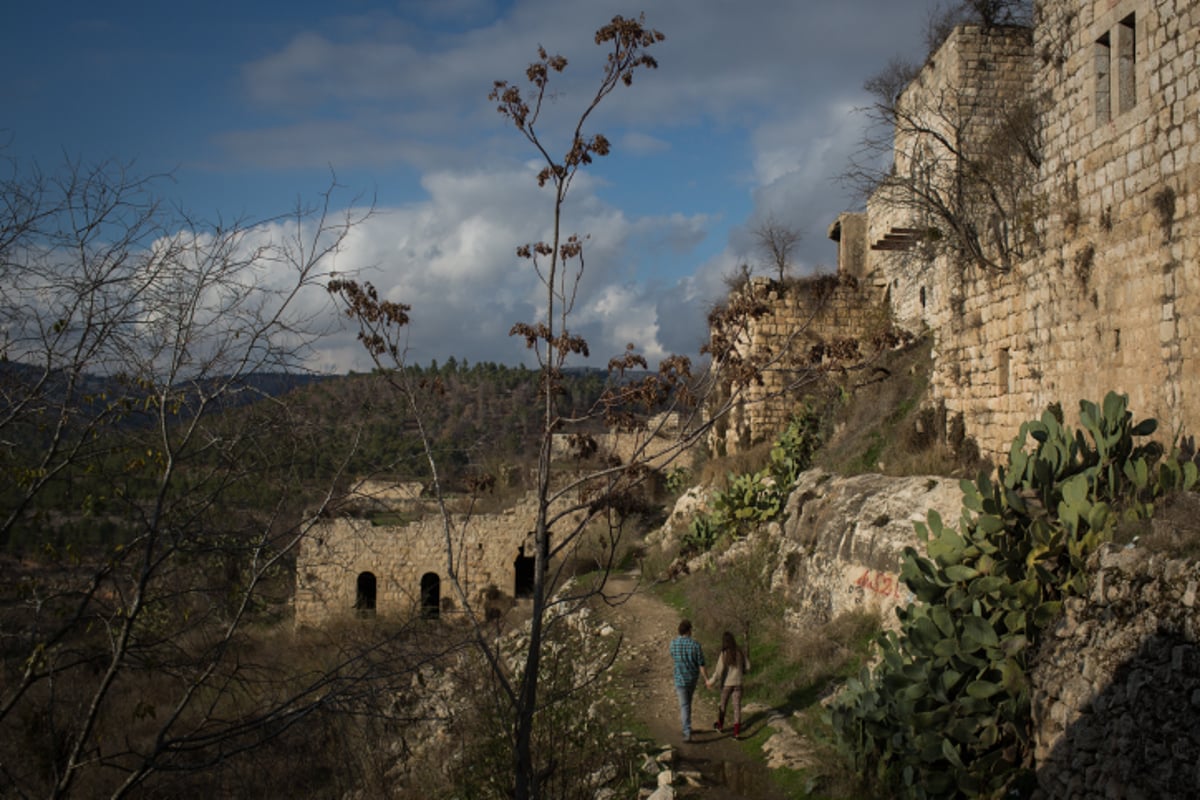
(737, 730)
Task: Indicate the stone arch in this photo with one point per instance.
(365, 594)
(431, 595)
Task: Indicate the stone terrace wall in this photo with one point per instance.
(822, 310)
(1116, 697)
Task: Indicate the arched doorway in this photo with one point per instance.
(431, 595)
(364, 595)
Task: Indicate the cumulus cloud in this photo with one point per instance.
(453, 259)
(748, 117)
(776, 78)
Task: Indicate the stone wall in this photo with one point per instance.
(1109, 300)
(805, 314)
(661, 445)
(1116, 698)
(404, 567)
(370, 494)
(971, 83)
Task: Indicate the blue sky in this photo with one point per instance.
(251, 105)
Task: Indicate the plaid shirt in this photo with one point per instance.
(689, 658)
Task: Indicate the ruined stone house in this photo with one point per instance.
(367, 562)
(1075, 270)
(349, 566)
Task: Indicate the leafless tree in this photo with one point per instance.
(131, 338)
(944, 18)
(574, 507)
(777, 242)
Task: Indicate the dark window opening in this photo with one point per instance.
(922, 297)
(431, 591)
(1004, 366)
(1103, 62)
(364, 595)
(523, 575)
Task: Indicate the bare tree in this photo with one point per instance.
(953, 166)
(156, 509)
(777, 242)
(943, 19)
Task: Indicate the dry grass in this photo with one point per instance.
(1173, 532)
(888, 425)
(716, 471)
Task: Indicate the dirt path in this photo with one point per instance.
(729, 769)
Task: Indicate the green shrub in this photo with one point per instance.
(753, 499)
(678, 479)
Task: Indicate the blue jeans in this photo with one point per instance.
(685, 707)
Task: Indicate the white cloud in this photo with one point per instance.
(783, 77)
(452, 258)
(643, 144)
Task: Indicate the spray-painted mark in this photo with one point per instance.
(880, 583)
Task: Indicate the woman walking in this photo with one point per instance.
(730, 671)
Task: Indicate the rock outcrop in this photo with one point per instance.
(841, 544)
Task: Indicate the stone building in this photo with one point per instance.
(349, 566)
(809, 323)
(367, 563)
(1102, 286)
(1066, 265)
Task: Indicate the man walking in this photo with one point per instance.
(689, 666)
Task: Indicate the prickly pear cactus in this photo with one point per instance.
(946, 712)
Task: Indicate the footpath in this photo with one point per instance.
(714, 765)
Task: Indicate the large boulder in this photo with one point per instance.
(843, 537)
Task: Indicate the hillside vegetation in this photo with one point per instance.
(481, 420)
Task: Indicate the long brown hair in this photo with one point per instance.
(729, 649)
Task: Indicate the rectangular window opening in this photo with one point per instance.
(1127, 63)
(1103, 62)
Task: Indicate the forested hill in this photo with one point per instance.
(484, 416)
(268, 442)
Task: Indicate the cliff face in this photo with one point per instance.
(841, 544)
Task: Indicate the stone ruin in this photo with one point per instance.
(1101, 290)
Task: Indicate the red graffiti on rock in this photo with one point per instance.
(880, 583)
